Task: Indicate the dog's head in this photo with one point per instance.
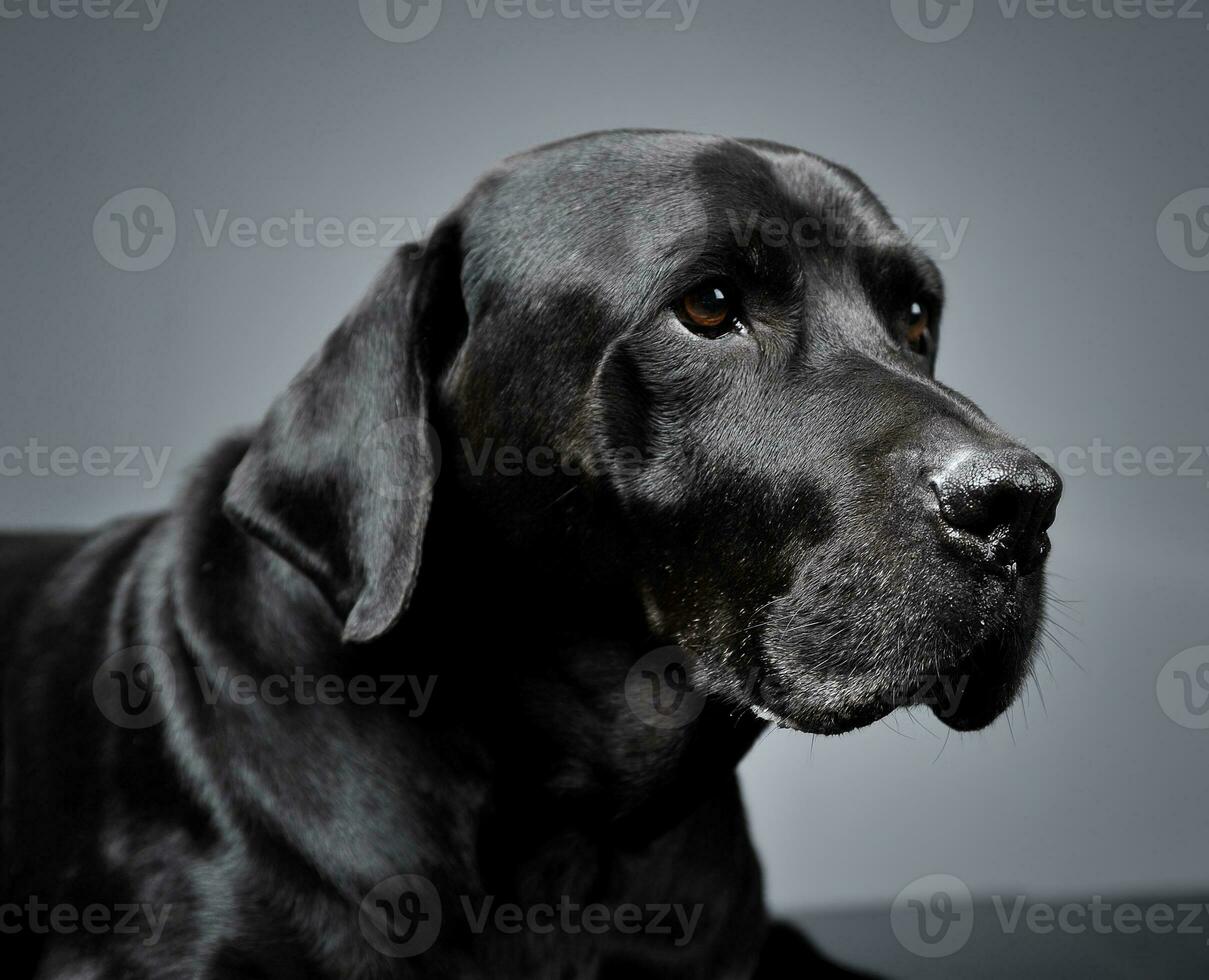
(708, 365)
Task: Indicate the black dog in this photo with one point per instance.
(640, 450)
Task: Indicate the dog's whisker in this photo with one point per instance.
(893, 727)
(914, 718)
(1062, 647)
(1049, 621)
(944, 745)
(1040, 693)
(561, 497)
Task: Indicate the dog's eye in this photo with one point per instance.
(917, 328)
(710, 310)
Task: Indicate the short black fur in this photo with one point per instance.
(753, 501)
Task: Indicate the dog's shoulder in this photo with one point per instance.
(43, 572)
(26, 561)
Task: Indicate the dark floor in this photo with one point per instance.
(863, 938)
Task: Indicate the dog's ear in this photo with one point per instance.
(340, 477)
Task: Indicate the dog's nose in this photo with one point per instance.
(996, 506)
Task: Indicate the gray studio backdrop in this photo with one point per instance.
(269, 155)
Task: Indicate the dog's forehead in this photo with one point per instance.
(627, 167)
(624, 204)
(596, 192)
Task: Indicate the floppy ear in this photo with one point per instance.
(340, 477)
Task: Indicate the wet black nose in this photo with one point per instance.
(996, 505)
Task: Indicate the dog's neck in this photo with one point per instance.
(546, 627)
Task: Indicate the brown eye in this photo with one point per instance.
(918, 329)
(709, 310)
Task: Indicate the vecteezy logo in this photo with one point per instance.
(660, 691)
(933, 916)
(401, 21)
(135, 230)
(932, 21)
(135, 687)
(1183, 688)
(401, 916)
(1183, 230)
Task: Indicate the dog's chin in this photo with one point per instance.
(821, 722)
(827, 708)
(969, 689)
(993, 674)
(965, 703)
